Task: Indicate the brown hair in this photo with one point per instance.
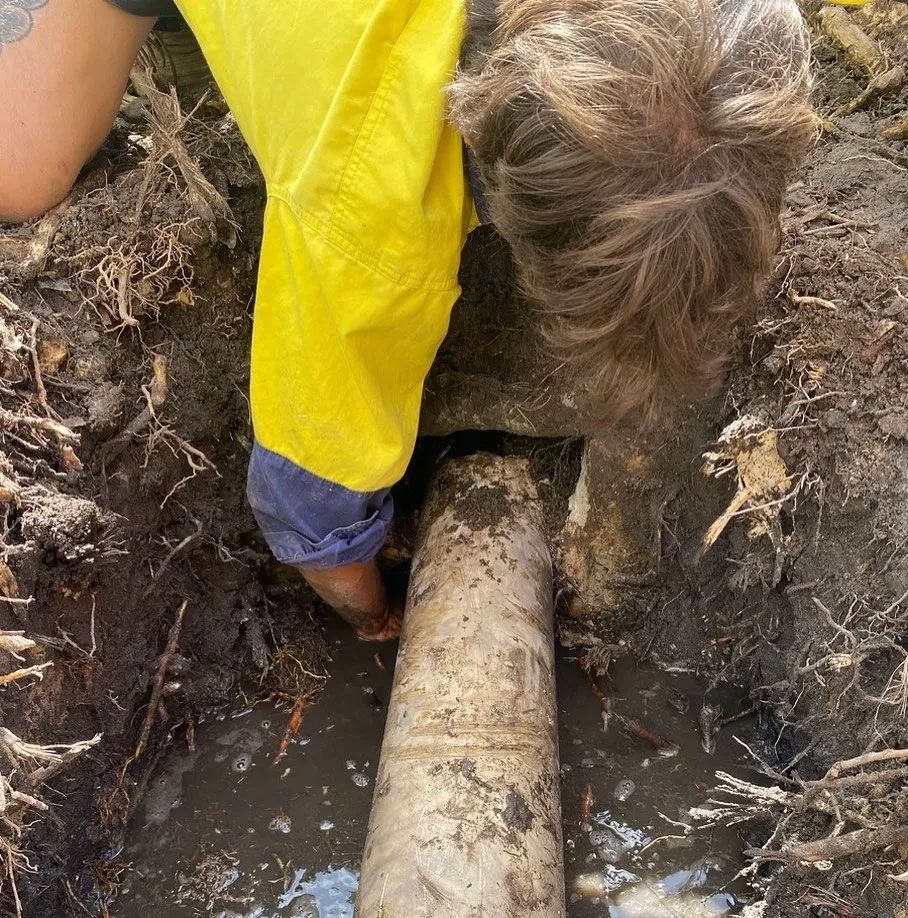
(636, 153)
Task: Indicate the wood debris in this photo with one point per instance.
(862, 53)
(293, 727)
(751, 451)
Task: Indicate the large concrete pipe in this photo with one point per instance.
(466, 817)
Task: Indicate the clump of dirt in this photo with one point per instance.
(124, 326)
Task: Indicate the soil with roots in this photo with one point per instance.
(131, 561)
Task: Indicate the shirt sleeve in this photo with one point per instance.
(311, 522)
(341, 348)
(147, 7)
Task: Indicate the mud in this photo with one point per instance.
(225, 831)
(625, 805)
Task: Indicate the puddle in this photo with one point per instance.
(223, 832)
(627, 863)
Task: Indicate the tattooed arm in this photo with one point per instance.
(63, 69)
(16, 19)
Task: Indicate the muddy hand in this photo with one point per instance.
(358, 594)
(389, 629)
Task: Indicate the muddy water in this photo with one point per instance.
(624, 857)
(224, 832)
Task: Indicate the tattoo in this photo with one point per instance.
(16, 19)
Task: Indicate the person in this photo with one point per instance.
(633, 153)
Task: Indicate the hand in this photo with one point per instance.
(358, 594)
(389, 629)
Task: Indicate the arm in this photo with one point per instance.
(359, 596)
(330, 533)
(63, 70)
(335, 392)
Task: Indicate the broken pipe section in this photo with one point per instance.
(466, 817)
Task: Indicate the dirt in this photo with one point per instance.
(811, 613)
(143, 305)
(147, 509)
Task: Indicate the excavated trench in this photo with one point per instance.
(124, 325)
(224, 831)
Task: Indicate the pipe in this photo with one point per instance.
(466, 815)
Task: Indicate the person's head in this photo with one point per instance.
(635, 154)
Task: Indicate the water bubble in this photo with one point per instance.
(359, 779)
(280, 823)
(623, 789)
(242, 762)
(266, 724)
(304, 907)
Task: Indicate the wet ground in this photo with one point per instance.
(225, 832)
(622, 800)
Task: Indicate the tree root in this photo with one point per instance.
(10, 421)
(16, 675)
(861, 52)
(836, 795)
(173, 639)
(897, 130)
(833, 847)
(883, 84)
(293, 726)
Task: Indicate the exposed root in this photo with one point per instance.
(749, 448)
(28, 671)
(897, 130)
(828, 849)
(15, 643)
(181, 546)
(40, 391)
(173, 639)
(10, 421)
(862, 52)
(167, 121)
(862, 809)
(586, 807)
(293, 727)
(662, 746)
(24, 769)
(883, 84)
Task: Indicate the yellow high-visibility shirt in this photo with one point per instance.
(343, 105)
